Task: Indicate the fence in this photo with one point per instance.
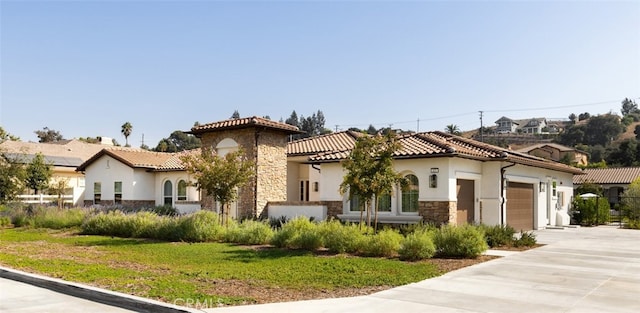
(45, 199)
(627, 210)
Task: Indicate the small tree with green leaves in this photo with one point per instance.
(219, 177)
(631, 204)
(370, 172)
(58, 187)
(38, 173)
(12, 178)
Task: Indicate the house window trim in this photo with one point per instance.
(400, 204)
(180, 197)
(116, 199)
(97, 196)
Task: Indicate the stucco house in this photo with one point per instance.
(557, 152)
(452, 179)
(538, 125)
(138, 178)
(613, 181)
(64, 156)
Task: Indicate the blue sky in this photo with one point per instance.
(86, 67)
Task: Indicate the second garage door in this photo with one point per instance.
(520, 206)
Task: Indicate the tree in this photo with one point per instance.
(602, 129)
(370, 173)
(235, 115)
(126, 130)
(573, 118)
(372, 130)
(38, 173)
(58, 187)
(293, 119)
(625, 154)
(4, 136)
(453, 129)
(629, 107)
(178, 141)
(48, 135)
(630, 199)
(95, 140)
(12, 178)
(584, 116)
(219, 177)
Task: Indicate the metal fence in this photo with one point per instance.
(626, 210)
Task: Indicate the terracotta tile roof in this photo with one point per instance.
(545, 145)
(246, 122)
(154, 161)
(440, 144)
(619, 175)
(339, 141)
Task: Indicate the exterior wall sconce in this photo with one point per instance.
(433, 181)
(542, 184)
(316, 186)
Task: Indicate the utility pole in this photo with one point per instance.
(336, 128)
(418, 128)
(481, 128)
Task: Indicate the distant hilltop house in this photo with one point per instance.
(452, 180)
(558, 153)
(539, 125)
(64, 156)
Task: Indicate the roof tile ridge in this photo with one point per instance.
(438, 139)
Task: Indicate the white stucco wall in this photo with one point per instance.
(174, 177)
(487, 180)
(108, 170)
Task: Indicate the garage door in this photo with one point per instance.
(466, 195)
(520, 206)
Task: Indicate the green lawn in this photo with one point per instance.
(201, 271)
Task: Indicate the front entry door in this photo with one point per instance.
(466, 195)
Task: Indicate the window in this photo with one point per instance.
(384, 203)
(117, 192)
(304, 190)
(410, 195)
(182, 190)
(168, 194)
(354, 204)
(97, 192)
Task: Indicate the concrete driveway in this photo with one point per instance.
(578, 270)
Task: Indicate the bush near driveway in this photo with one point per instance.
(466, 241)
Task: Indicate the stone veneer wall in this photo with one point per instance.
(438, 212)
(270, 181)
(333, 208)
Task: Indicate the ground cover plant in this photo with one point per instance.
(209, 272)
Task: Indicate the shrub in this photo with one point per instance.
(466, 241)
(526, 239)
(111, 223)
(166, 209)
(5, 221)
(249, 232)
(417, 246)
(498, 235)
(201, 226)
(55, 218)
(339, 238)
(298, 233)
(587, 213)
(385, 243)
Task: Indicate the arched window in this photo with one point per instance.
(410, 195)
(168, 193)
(182, 190)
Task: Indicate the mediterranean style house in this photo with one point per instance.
(452, 179)
(558, 153)
(613, 181)
(64, 156)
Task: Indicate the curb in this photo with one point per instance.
(95, 294)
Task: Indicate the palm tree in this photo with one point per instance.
(453, 129)
(127, 128)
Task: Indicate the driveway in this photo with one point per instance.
(578, 270)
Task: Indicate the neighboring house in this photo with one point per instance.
(613, 181)
(538, 125)
(64, 156)
(506, 125)
(138, 178)
(556, 152)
